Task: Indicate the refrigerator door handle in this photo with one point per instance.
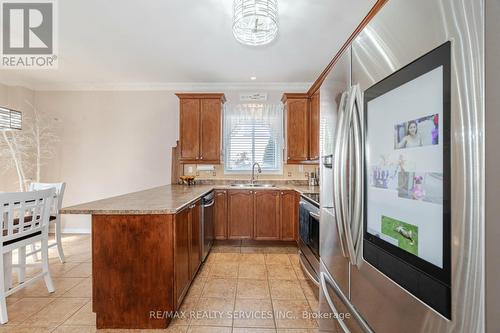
(322, 278)
(337, 176)
(356, 220)
(346, 155)
(362, 324)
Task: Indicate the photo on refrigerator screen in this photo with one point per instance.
(417, 133)
(384, 177)
(423, 186)
(406, 234)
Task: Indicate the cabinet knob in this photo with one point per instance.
(201, 157)
(288, 158)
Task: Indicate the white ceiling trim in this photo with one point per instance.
(172, 86)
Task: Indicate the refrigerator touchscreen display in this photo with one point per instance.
(407, 169)
(404, 157)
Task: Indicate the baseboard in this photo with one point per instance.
(76, 231)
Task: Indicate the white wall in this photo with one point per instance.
(112, 143)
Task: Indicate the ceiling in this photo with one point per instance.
(152, 42)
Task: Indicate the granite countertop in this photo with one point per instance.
(167, 199)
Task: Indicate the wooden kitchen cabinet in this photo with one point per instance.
(314, 127)
(182, 245)
(240, 214)
(190, 128)
(257, 214)
(220, 213)
(289, 215)
(297, 127)
(210, 133)
(200, 127)
(301, 128)
(194, 238)
(267, 215)
(187, 248)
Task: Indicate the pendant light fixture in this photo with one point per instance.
(10, 119)
(255, 22)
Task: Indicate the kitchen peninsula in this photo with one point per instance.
(146, 247)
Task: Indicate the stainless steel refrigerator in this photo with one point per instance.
(420, 266)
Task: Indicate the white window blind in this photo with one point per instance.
(253, 133)
(10, 119)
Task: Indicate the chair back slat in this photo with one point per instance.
(60, 187)
(24, 213)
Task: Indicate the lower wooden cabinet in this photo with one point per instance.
(181, 254)
(220, 213)
(267, 215)
(187, 249)
(289, 215)
(256, 214)
(240, 214)
(194, 238)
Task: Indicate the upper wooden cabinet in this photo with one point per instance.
(296, 127)
(314, 127)
(200, 127)
(302, 128)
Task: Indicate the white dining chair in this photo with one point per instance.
(55, 216)
(25, 220)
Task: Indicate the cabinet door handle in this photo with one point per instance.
(201, 157)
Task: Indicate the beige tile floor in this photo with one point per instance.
(256, 289)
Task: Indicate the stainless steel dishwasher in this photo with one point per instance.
(207, 218)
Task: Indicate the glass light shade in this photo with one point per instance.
(255, 22)
(10, 119)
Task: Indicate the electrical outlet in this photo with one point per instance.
(289, 174)
(214, 174)
(306, 174)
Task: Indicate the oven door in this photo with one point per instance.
(313, 240)
(309, 241)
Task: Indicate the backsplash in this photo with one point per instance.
(290, 172)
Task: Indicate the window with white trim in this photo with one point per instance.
(253, 133)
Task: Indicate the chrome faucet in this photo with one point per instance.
(259, 170)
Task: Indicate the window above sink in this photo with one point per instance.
(253, 133)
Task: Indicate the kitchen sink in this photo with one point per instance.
(251, 185)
